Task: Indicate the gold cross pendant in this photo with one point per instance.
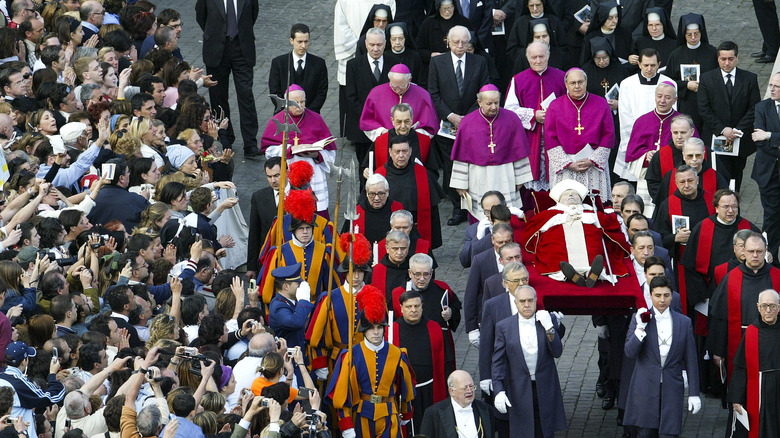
(579, 129)
(295, 141)
(492, 147)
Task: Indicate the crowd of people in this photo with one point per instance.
(596, 151)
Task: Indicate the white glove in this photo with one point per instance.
(321, 373)
(474, 337)
(558, 315)
(639, 323)
(685, 379)
(486, 386)
(349, 433)
(543, 317)
(602, 331)
(303, 292)
(501, 402)
(403, 423)
(694, 404)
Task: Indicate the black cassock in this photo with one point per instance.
(403, 186)
(769, 363)
(432, 310)
(416, 339)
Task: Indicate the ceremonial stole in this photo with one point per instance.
(381, 149)
(704, 251)
(667, 160)
(536, 135)
(424, 225)
(734, 303)
(437, 354)
(379, 277)
(709, 182)
(675, 208)
(753, 380)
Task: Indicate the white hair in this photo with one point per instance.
(377, 179)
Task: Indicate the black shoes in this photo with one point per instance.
(252, 153)
(601, 391)
(457, 218)
(766, 59)
(758, 54)
(608, 403)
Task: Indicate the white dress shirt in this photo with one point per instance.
(371, 62)
(733, 74)
(498, 262)
(529, 343)
(297, 58)
(464, 420)
(663, 325)
(455, 60)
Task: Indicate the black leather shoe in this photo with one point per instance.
(758, 54)
(457, 218)
(766, 59)
(608, 403)
(601, 391)
(252, 153)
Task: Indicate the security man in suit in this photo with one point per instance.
(727, 99)
(229, 46)
(454, 82)
(460, 414)
(766, 170)
(261, 217)
(308, 71)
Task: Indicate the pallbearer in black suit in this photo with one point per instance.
(302, 68)
(766, 170)
(261, 216)
(459, 415)
(229, 47)
(727, 100)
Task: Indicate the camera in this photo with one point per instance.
(10, 420)
(190, 351)
(312, 420)
(264, 402)
(46, 254)
(305, 392)
(67, 261)
(99, 243)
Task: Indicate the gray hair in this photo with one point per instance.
(149, 420)
(257, 348)
(536, 44)
(375, 179)
(693, 141)
(566, 76)
(87, 90)
(76, 404)
(741, 235)
(512, 267)
(72, 383)
(462, 29)
(397, 236)
(510, 245)
(683, 118)
(421, 259)
(401, 214)
(402, 107)
(376, 31)
(83, 52)
(665, 84)
(771, 292)
(631, 190)
(525, 286)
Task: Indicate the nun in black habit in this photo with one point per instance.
(657, 33)
(370, 23)
(522, 34)
(401, 45)
(604, 22)
(540, 31)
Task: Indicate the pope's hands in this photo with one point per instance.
(474, 337)
(486, 386)
(501, 402)
(543, 317)
(694, 404)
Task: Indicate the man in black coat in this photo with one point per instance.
(454, 98)
(262, 215)
(122, 302)
(459, 413)
(727, 99)
(766, 170)
(115, 202)
(363, 74)
(480, 16)
(308, 71)
(229, 46)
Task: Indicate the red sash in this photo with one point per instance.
(734, 291)
(423, 200)
(667, 159)
(379, 277)
(675, 208)
(709, 182)
(753, 387)
(704, 252)
(437, 352)
(381, 149)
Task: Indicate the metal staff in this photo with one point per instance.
(351, 215)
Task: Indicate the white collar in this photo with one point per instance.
(372, 347)
(356, 288)
(530, 321)
(658, 38)
(297, 58)
(119, 315)
(458, 408)
(371, 61)
(724, 222)
(662, 316)
(298, 243)
(733, 73)
(693, 47)
(455, 59)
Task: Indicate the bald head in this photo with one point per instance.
(6, 125)
(260, 345)
(538, 55)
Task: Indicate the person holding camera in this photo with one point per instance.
(274, 366)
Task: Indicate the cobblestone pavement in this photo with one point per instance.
(726, 20)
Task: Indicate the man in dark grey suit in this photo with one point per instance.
(460, 412)
(262, 215)
(229, 46)
(303, 68)
(454, 79)
(766, 169)
(727, 100)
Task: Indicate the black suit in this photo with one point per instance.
(261, 217)
(448, 100)
(718, 112)
(135, 341)
(439, 420)
(483, 266)
(480, 21)
(223, 55)
(313, 80)
(88, 33)
(360, 82)
(766, 171)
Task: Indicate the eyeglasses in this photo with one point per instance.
(765, 307)
(422, 274)
(466, 388)
(99, 13)
(376, 194)
(175, 26)
(729, 207)
(518, 280)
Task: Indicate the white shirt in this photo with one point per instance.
(372, 347)
(455, 60)
(119, 315)
(529, 343)
(733, 74)
(371, 62)
(297, 58)
(235, 7)
(464, 420)
(663, 325)
(640, 272)
(498, 262)
(512, 304)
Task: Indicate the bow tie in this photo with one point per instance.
(468, 410)
(528, 322)
(662, 316)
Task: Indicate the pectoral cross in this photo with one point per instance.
(579, 128)
(295, 140)
(605, 85)
(492, 147)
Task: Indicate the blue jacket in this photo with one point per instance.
(288, 319)
(114, 202)
(29, 396)
(28, 300)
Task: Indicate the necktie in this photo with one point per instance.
(459, 76)
(729, 85)
(777, 107)
(299, 70)
(377, 73)
(232, 23)
(464, 6)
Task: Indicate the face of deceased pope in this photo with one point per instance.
(570, 197)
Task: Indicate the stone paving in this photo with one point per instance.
(726, 20)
